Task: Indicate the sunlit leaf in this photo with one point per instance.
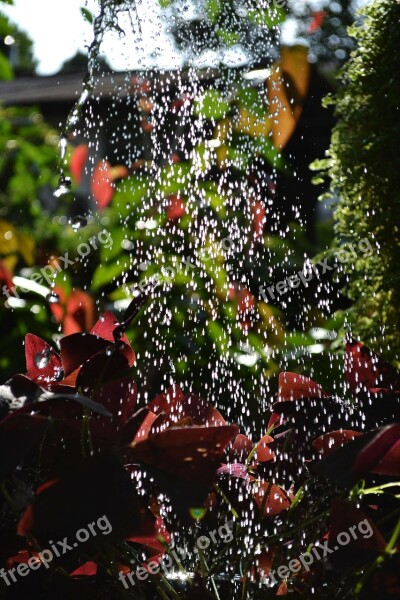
(213, 8)
(269, 17)
(87, 15)
(211, 105)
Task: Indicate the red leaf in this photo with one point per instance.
(143, 428)
(264, 453)
(329, 442)
(282, 589)
(258, 213)
(102, 183)
(22, 556)
(365, 370)
(190, 408)
(153, 537)
(78, 160)
(43, 364)
(191, 453)
(78, 348)
(106, 327)
(241, 448)
(46, 485)
(245, 301)
(176, 207)
(88, 569)
(381, 454)
(103, 367)
(119, 397)
(79, 312)
(318, 18)
(277, 501)
(238, 470)
(344, 516)
(25, 524)
(390, 463)
(275, 420)
(293, 386)
(146, 125)
(264, 562)
(5, 277)
(167, 400)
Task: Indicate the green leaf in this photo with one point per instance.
(87, 15)
(229, 38)
(211, 105)
(217, 203)
(269, 17)
(164, 3)
(251, 100)
(213, 8)
(6, 72)
(265, 147)
(109, 273)
(202, 158)
(129, 194)
(174, 178)
(238, 159)
(219, 337)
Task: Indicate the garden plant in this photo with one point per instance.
(201, 387)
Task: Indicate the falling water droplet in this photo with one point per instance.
(79, 222)
(63, 146)
(64, 185)
(53, 298)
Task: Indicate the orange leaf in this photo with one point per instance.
(287, 88)
(282, 590)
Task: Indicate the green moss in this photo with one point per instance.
(364, 166)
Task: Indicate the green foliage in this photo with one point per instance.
(23, 62)
(211, 105)
(28, 172)
(364, 167)
(28, 163)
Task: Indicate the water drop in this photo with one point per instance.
(53, 298)
(64, 185)
(42, 358)
(79, 222)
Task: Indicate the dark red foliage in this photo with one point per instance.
(366, 371)
(73, 421)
